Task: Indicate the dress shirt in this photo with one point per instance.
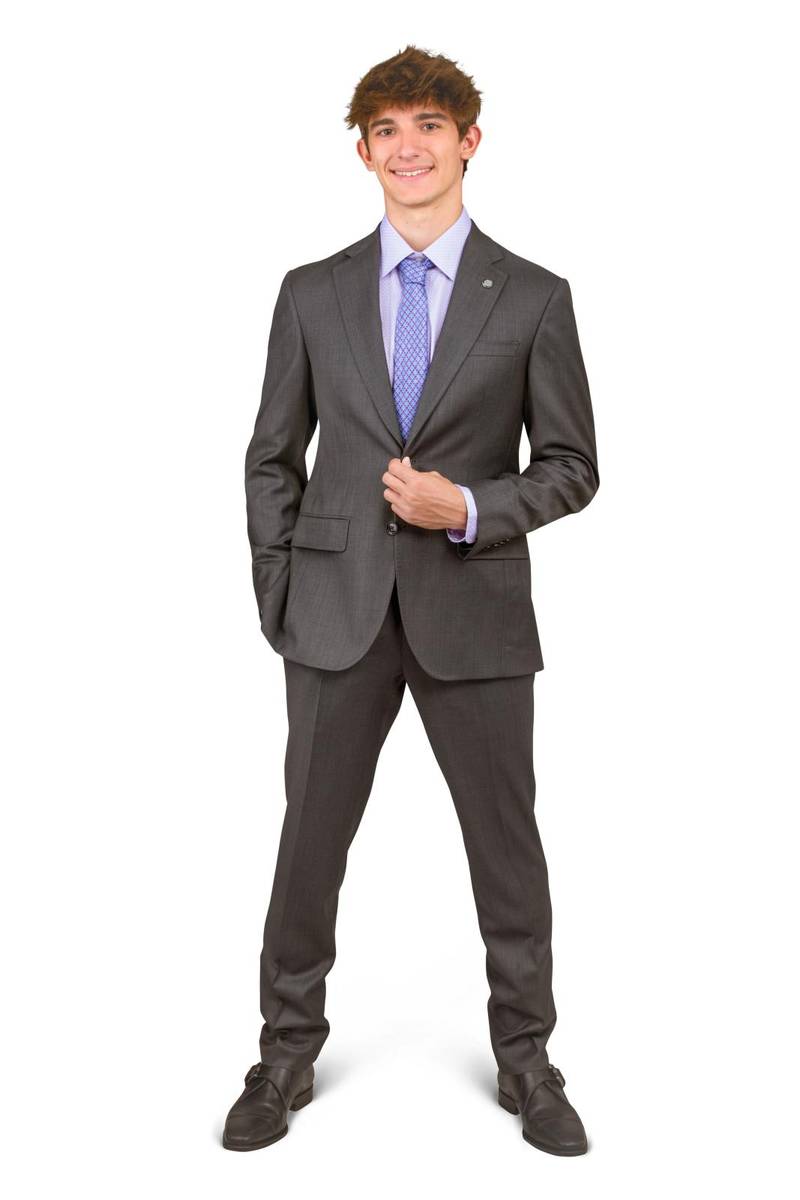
(445, 254)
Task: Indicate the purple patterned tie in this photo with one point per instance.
(411, 340)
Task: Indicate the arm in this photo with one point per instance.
(471, 532)
(562, 476)
(275, 466)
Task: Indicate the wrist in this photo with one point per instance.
(459, 512)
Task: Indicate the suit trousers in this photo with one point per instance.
(481, 732)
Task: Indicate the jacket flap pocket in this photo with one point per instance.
(320, 533)
(516, 547)
(492, 346)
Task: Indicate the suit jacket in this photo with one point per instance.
(327, 550)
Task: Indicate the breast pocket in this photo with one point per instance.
(488, 368)
(490, 346)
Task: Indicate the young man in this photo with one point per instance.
(421, 350)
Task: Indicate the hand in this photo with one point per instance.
(423, 498)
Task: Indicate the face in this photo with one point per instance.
(417, 154)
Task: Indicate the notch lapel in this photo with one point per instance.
(356, 280)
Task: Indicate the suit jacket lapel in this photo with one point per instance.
(357, 286)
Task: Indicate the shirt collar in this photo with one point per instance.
(444, 253)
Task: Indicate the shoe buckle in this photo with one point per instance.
(557, 1074)
(251, 1074)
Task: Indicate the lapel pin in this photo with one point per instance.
(487, 283)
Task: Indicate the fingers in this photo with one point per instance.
(398, 472)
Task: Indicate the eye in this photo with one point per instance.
(425, 125)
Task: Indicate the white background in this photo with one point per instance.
(166, 164)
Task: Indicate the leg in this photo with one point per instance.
(338, 722)
(481, 732)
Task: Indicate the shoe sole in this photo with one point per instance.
(510, 1105)
(300, 1101)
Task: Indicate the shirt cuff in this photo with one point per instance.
(471, 532)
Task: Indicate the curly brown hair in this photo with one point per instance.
(412, 77)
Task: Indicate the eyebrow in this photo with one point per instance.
(419, 117)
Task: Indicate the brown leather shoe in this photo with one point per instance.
(549, 1122)
(259, 1116)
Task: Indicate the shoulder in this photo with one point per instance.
(527, 271)
(528, 279)
(310, 273)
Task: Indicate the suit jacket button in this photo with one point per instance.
(392, 527)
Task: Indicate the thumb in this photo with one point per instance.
(407, 459)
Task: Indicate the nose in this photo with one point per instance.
(408, 146)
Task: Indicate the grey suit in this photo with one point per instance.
(327, 551)
(359, 604)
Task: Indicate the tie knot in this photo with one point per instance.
(412, 270)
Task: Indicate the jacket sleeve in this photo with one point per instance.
(275, 466)
(562, 476)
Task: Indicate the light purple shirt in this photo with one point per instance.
(445, 254)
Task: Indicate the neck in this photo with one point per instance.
(423, 225)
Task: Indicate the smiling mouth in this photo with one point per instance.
(411, 174)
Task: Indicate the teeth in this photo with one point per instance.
(409, 174)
